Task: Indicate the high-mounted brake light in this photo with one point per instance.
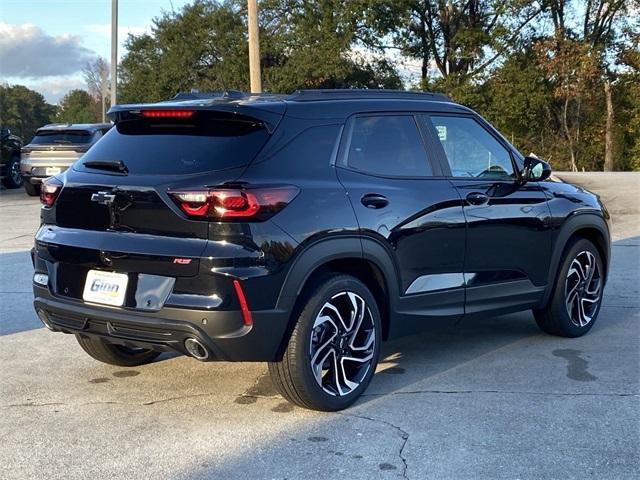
(232, 203)
(167, 113)
(49, 191)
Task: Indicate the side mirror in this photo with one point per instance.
(535, 170)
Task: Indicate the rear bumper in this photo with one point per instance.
(35, 172)
(32, 180)
(222, 332)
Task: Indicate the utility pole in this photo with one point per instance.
(254, 47)
(114, 51)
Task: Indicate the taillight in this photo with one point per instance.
(49, 190)
(167, 113)
(233, 203)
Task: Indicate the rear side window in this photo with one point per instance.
(470, 150)
(205, 142)
(388, 145)
(64, 137)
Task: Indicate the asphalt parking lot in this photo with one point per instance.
(491, 399)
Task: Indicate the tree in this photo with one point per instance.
(578, 59)
(558, 77)
(517, 98)
(97, 76)
(23, 110)
(77, 106)
(462, 38)
(204, 46)
(572, 69)
(598, 30)
(313, 45)
(626, 104)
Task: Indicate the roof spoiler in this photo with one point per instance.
(269, 111)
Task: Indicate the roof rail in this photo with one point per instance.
(358, 93)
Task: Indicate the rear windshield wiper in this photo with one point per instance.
(115, 165)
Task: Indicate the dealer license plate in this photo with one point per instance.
(108, 288)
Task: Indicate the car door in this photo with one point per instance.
(402, 201)
(508, 245)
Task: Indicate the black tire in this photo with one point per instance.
(293, 376)
(556, 318)
(113, 354)
(31, 189)
(13, 178)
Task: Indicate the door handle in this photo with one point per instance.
(373, 200)
(477, 198)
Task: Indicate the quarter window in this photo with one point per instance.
(470, 150)
(388, 145)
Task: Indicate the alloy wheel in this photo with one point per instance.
(583, 288)
(14, 172)
(342, 345)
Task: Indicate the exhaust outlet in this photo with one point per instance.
(196, 349)
(44, 318)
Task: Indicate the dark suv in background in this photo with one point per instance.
(10, 146)
(54, 148)
(303, 230)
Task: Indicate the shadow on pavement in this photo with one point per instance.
(16, 296)
(491, 398)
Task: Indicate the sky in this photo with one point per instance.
(44, 44)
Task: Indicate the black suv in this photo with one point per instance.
(10, 146)
(303, 230)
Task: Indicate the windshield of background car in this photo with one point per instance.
(65, 137)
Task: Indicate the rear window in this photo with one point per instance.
(64, 137)
(388, 145)
(205, 142)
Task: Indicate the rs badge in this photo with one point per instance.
(182, 261)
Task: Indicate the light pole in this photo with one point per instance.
(114, 51)
(254, 47)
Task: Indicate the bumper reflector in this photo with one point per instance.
(244, 308)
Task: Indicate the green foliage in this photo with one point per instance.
(78, 106)
(535, 68)
(23, 110)
(309, 45)
(516, 100)
(204, 47)
(626, 95)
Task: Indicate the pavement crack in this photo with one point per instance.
(106, 402)
(172, 399)
(15, 238)
(32, 404)
(511, 392)
(404, 435)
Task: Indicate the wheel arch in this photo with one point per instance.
(364, 259)
(586, 225)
